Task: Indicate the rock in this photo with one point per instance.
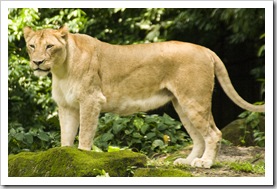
(154, 172)
(71, 162)
(234, 131)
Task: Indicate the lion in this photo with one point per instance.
(90, 77)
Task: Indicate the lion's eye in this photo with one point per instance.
(32, 46)
(49, 46)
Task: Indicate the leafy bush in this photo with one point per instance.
(148, 134)
(252, 127)
(252, 119)
(33, 122)
(31, 140)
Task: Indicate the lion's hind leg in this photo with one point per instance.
(212, 137)
(198, 141)
(199, 123)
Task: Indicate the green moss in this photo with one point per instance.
(154, 172)
(245, 167)
(71, 162)
(248, 167)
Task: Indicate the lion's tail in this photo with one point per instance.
(224, 80)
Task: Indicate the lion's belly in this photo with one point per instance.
(128, 105)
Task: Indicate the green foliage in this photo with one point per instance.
(30, 104)
(140, 132)
(252, 125)
(259, 71)
(127, 26)
(31, 140)
(252, 119)
(231, 26)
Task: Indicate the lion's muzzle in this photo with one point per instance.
(38, 62)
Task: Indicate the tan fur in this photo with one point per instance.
(90, 76)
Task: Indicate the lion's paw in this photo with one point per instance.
(199, 162)
(84, 148)
(181, 161)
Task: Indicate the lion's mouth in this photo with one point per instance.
(39, 69)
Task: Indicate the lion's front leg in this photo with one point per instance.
(89, 113)
(69, 123)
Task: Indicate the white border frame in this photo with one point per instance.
(267, 180)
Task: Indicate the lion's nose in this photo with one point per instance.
(38, 62)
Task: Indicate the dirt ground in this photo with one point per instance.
(232, 161)
(229, 154)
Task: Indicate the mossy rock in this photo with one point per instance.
(71, 162)
(160, 172)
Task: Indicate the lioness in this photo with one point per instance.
(90, 76)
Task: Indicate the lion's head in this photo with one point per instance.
(46, 48)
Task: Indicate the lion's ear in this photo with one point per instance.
(28, 31)
(63, 31)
